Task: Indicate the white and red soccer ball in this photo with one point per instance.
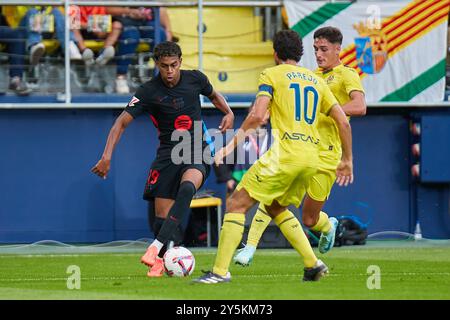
(179, 262)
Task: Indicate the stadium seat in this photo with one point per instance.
(234, 53)
(231, 68)
(221, 25)
(234, 50)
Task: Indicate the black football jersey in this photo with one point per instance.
(171, 109)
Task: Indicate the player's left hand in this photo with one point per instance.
(227, 122)
(344, 173)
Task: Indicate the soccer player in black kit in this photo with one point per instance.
(171, 100)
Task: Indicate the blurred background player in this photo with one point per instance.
(346, 86)
(280, 177)
(172, 101)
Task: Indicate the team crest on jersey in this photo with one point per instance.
(330, 79)
(133, 101)
(371, 48)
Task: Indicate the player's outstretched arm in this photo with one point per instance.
(357, 105)
(344, 171)
(102, 167)
(255, 118)
(220, 103)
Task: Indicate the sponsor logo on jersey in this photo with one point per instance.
(299, 137)
(183, 122)
(133, 101)
(330, 79)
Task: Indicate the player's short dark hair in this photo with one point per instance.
(288, 45)
(332, 34)
(166, 49)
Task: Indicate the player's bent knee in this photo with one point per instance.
(193, 175)
(187, 188)
(239, 202)
(275, 209)
(232, 206)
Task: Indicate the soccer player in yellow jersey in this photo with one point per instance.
(346, 86)
(295, 97)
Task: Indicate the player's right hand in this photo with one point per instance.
(102, 168)
(231, 185)
(344, 173)
(218, 157)
(227, 122)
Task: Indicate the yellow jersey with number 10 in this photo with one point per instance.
(342, 80)
(297, 96)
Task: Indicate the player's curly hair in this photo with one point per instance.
(288, 45)
(166, 49)
(332, 34)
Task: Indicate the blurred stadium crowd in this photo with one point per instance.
(110, 47)
(32, 38)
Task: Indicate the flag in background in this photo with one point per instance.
(399, 48)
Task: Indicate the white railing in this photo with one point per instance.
(138, 3)
(207, 105)
(200, 4)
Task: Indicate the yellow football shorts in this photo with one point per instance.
(321, 184)
(268, 180)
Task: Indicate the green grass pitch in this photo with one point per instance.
(406, 273)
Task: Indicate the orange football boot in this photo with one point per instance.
(157, 270)
(149, 258)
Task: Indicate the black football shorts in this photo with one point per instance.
(164, 178)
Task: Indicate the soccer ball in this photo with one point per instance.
(179, 262)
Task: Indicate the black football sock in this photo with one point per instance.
(156, 229)
(162, 251)
(177, 241)
(157, 224)
(178, 236)
(176, 213)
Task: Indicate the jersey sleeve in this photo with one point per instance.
(136, 106)
(206, 87)
(328, 99)
(352, 81)
(265, 85)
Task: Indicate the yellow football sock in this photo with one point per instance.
(230, 237)
(259, 224)
(293, 231)
(323, 225)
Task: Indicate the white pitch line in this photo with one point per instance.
(6, 256)
(239, 275)
(334, 274)
(65, 279)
